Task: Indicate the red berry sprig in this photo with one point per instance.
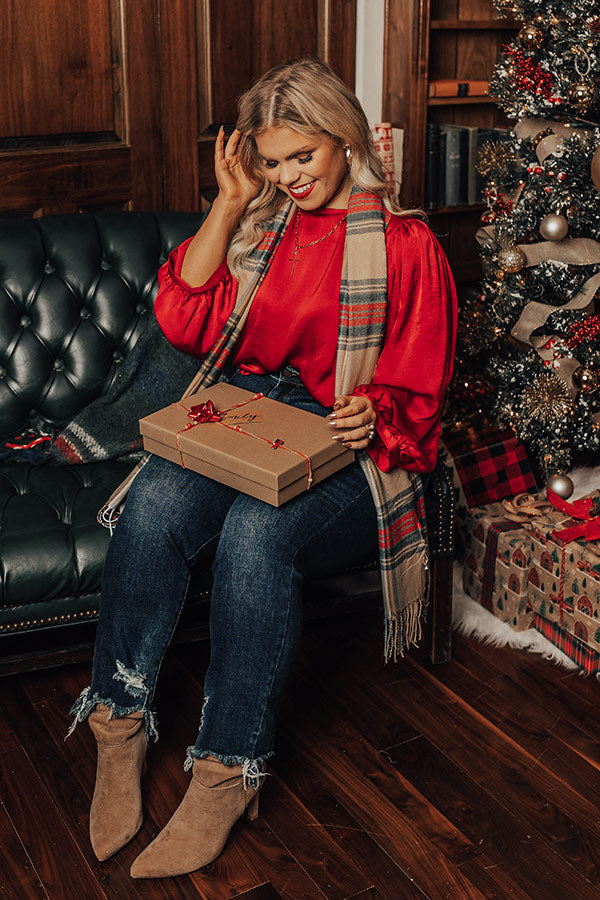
(529, 76)
(588, 330)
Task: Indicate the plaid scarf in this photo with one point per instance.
(398, 495)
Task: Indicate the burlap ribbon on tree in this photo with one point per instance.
(569, 251)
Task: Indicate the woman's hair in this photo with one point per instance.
(308, 97)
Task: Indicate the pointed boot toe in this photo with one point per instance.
(116, 810)
(200, 826)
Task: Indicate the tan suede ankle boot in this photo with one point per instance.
(116, 811)
(197, 830)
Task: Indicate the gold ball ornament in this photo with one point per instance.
(531, 37)
(511, 259)
(596, 168)
(561, 485)
(554, 227)
(582, 95)
(586, 380)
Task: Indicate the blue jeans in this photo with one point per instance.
(175, 519)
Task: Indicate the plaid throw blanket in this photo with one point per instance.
(398, 495)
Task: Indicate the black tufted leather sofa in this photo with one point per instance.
(76, 292)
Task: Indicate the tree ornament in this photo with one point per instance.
(511, 259)
(554, 227)
(495, 157)
(582, 95)
(547, 400)
(586, 380)
(531, 37)
(586, 330)
(561, 485)
(596, 168)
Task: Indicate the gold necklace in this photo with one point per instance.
(298, 246)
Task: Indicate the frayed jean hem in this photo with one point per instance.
(87, 702)
(253, 770)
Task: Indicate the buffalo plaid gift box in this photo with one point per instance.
(259, 446)
(564, 587)
(496, 565)
(577, 649)
(489, 468)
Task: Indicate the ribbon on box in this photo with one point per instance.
(587, 528)
(207, 412)
(524, 507)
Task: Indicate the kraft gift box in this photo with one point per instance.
(258, 446)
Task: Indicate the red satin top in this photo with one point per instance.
(294, 321)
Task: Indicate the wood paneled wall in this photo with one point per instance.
(115, 103)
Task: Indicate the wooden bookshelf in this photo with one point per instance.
(459, 101)
(430, 40)
(469, 24)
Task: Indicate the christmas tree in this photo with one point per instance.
(529, 338)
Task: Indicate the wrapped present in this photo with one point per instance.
(259, 446)
(578, 650)
(496, 565)
(564, 580)
(565, 574)
(488, 469)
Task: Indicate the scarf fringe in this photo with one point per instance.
(403, 630)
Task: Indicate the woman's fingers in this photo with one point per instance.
(353, 421)
(233, 143)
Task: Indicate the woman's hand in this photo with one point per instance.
(353, 419)
(236, 188)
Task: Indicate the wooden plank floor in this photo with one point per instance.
(478, 779)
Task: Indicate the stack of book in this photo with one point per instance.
(451, 177)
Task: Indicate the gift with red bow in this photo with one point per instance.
(259, 446)
(564, 580)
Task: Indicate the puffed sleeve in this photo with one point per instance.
(192, 318)
(415, 365)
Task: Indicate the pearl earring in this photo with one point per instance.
(348, 153)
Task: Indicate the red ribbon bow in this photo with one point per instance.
(205, 412)
(588, 529)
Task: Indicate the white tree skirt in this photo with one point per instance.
(473, 620)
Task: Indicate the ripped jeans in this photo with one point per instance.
(175, 519)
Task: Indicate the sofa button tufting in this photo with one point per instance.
(84, 313)
(25, 321)
(117, 356)
(2, 371)
(58, 365)
(105, 264)
(140, 309)
(49, 268)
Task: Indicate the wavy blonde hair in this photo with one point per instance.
(308, 97)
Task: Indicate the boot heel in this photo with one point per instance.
(252, 808)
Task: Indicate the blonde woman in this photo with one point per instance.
(307, 284)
